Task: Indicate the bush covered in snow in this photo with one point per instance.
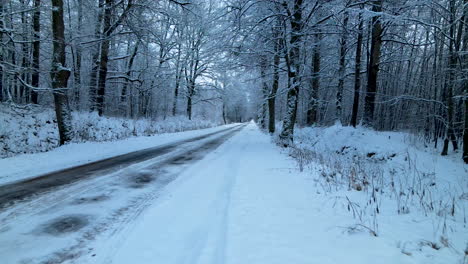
(30, 129)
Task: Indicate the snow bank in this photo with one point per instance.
(31, 129)
(387, 150)
(392, 184)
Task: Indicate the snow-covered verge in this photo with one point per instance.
(31, 129)
(393, 186)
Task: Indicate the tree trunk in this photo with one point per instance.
(224, 113)
(294, 80)
(128, 74)
(357, 72)
(1, 52)
(373, 67)
(263, 108)
(465, 129)
(312, 108)
(191, 92)
(23, 88)
(274, 86)
(95, 60)
(342, 70)
(178, 72)
(107, 31)
(59, 74)
(12, 90)
(449, 84)
(465, 83)
(101, 87)
(36, 45)
(77, 71)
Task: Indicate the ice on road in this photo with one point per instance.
(243, 203)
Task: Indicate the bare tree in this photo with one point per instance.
(294, 68)
(357, 72)
(465, 83)
(373, 67)
(342, 69)
(275, 85)
(59, 74)
(36, 46)
(1, 51)
(450, 81)
(312, 109)
(78, 55)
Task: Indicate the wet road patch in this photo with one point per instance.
(90, 199)
(180, 160)
(142, 178)
(65, 225)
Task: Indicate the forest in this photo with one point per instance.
(234, 131)
(393, 65)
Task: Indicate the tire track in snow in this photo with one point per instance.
(211, 237)
(121, 219)
(124, 218)
(18, 191)
(220, 253)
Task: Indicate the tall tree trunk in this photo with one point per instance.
(59, 74)
(178, 76)
(77, 71)
(439, 40)
(191, 92)
(36, 45)
(312, 108)
(23, 88)
(373, 67)
(224, 114)
(274, 86)
(128, 74)
(294, 79)
(465, 83)
(357, 72)
(342, 70)
(191, 78)
(101, 87)
(1, 53)
(450, 83)
(107, 31)
(263, 107)
(95, 60)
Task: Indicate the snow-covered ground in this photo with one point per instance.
(32, 128)
(30, 165)
(248, 202)
(393, 185)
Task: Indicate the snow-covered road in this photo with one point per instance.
(246, 202)
(55, 223)
(229, 200)
(25, 189)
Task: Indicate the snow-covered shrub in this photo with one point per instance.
(31, 128)
(370, 173)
